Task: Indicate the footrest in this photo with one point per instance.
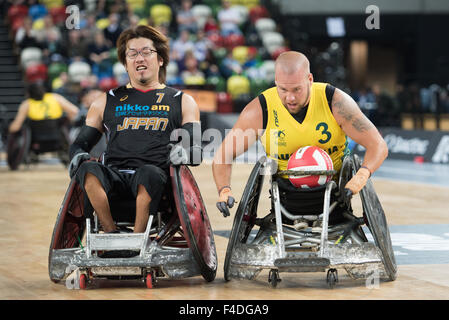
(295, 264)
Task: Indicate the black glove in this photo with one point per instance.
(225, 201)
(76, 162)
(178, 155)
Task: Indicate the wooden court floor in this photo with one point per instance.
(30, 199)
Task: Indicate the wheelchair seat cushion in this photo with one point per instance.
(123, 206)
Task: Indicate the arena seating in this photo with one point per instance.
(249, 49)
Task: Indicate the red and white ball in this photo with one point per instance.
(313, 159)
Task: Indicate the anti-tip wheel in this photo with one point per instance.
(273, 278)
(332, 278)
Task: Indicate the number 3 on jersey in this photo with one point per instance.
(322, 126)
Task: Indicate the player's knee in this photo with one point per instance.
(86, 167)
(142, 194)
(150, 172)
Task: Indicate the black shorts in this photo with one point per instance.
(123, 183)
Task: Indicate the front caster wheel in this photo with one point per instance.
(332, 278)
(273, 278)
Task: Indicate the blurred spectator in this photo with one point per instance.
(209, 64)
(426, 99)
(436, 106)
(49, 30)
(366, 101)
(192, 75)
(89, 29)
(181, 45)
(229, 19)
(202, 45)
(99, 56)
(79, 3)
(26, 36)
(445, 99)
(253, 59)
(88, 96)
(133, 21)
(91, 82)
(387, 113)
(211, 25)
(413, 106)
(67, 89)
(54, 45)
(113, 30)
(36, 10)
(185, 18)
(230, 66)
(77, 50)
(106, 7)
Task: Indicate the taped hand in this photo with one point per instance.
(358, 181)
(225, 201)
(76, 162)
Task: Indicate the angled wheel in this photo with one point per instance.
(150, 280)
(246, 213)
(273, 278)
(194, 220)
(377, 223)
(332, 278)
(18, 147)
(83, 281)
(69, 227)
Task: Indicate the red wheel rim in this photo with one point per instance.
(83, 281)
(194, 220)
(149, 281)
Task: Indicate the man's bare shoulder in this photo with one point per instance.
(95, 114)
(348, 114)
(251, 116)
(99, 102)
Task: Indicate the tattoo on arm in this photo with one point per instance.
(347, 112)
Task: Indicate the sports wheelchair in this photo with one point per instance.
(301, 234)
(178, 241)
(37, 137)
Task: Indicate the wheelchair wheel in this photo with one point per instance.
(18, 147)
(377, 223)
(194, 220)
(246, 213)
(70, 225)
(63, 153)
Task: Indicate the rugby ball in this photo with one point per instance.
(310, 158)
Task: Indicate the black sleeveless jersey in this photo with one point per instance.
(138, 125)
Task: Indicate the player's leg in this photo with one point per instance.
(99, 200)
(143, 201)
(147, 185)
(95, 182)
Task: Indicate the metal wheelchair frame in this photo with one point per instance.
(282, 248)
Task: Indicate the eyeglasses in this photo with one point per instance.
(145, 52)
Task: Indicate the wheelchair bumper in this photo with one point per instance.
(175, 263)
(359, 260)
